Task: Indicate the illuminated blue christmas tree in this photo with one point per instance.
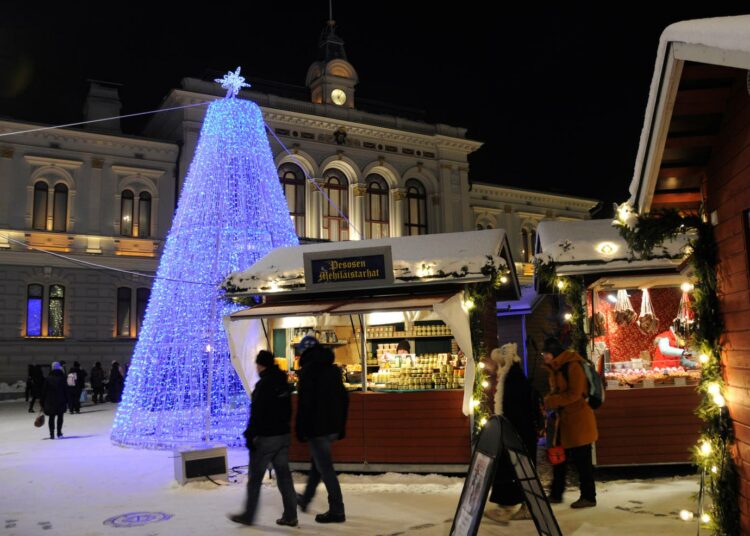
(181, 387)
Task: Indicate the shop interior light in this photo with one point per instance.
(714, 388)
(703, 358)
(686, 515)
(687, 287)
(611, 298)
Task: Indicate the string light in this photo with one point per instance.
(568, 317)
(686, 515)
(714, 389)
(706, 519)
(176, 391)
(706, 448)
(469, 304)
(474, 403)
(719, 400)
(485, 384)
(483, 421)
(687, 287)
(714, 469)
(703, 358)
(560, 284)
(503, 279)
(481, 365)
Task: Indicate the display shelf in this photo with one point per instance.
(337, 343)
(398, 338)
(384, 390)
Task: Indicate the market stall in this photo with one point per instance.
(409, 409)
(637, 323)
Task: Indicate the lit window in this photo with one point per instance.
(40, 206)
(335, 226)
(293, 181)
(34, 301)
(144, 215)
(56, 311)
(416, 208)
(376, 208)
(126, 213)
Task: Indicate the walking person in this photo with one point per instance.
(323, 406)
(35, 384)
(577, 426)
(79, 386)
(268, 436)
(97, 383)
(55, 399)
(72, 379)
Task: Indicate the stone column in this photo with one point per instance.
(315, 217)
(95, 197)
(358, 211)
(434, 214)
(399, 195)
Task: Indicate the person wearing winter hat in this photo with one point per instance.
(268, 437)
(577, 423)
(323, 405)
(55, 399)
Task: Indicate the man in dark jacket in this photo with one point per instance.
(268, 436)
(97, 382)
(55, 399)
(323, 405)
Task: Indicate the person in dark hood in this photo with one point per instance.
(55, 399)
(116, 380)
(322, 409)
(268, 436)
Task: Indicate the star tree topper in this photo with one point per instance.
(232, 82)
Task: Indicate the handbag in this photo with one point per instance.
(39, 421)
(555, 452)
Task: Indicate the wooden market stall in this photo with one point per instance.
(407, 412)
(648, 416)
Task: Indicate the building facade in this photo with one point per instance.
(97, 196)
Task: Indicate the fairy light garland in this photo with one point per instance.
(181, 387)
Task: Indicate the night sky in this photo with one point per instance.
(557, 95)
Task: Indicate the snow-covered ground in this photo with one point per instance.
(72, 486)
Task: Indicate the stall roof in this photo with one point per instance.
(584, 247)
(349, 307)
(418, 261)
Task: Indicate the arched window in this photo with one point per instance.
(376, 207)
(34, 301)
(56, 311)
(293, 181)
(60, 208)
(126, 213)
(144, 215)
(123, 312)
(416, 208)
(335, 226)
(141, 303)
(40, 206)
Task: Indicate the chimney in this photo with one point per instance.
(102, 101)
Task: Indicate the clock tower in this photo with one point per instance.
(331, 78)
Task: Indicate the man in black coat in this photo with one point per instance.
(268, 436)
(55, 399)
(97, 382)
(322, 409)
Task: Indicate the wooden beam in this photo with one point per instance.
(701, 101)
(688, 142)
(681, 171)
(682, 200)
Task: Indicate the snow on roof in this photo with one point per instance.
(413, 256)
(724, 33)
(579, 247)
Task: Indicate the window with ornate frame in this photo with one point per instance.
(131, 310)
(292, 180)
(416, 208)
(34, 308)
(376, 207)
(144, 215)
(41, 197)
(56, 311)
(60, 208)
(336, 187)
(127, 210)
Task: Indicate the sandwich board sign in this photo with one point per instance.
(497, 438)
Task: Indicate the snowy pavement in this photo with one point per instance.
(74, 485)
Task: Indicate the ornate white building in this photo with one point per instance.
(98, 196)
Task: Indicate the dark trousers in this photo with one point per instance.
(59, 424)
(98, 394)
(74, 399)
(322, 468)
(272, 450)
(31, 406)
(581, 458)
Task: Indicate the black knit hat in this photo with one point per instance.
(265, 358)
(552, 346)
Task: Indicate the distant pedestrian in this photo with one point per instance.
(71, 380)
(36, 384)
(55, 399)
(323, 405)
(97, 383)
(79, 384)
(114, 387)
(577, 423)
(268, 437)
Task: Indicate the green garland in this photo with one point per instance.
(572, 290)
(714, 452)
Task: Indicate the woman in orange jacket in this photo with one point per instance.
(577, 424)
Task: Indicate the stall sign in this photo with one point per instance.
(348, 269)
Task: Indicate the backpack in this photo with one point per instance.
(595, 396)
(72, 377)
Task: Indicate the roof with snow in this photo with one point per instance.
(418, 261)
(582, 247)
(698, 64)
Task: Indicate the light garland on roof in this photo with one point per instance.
(181, 387)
